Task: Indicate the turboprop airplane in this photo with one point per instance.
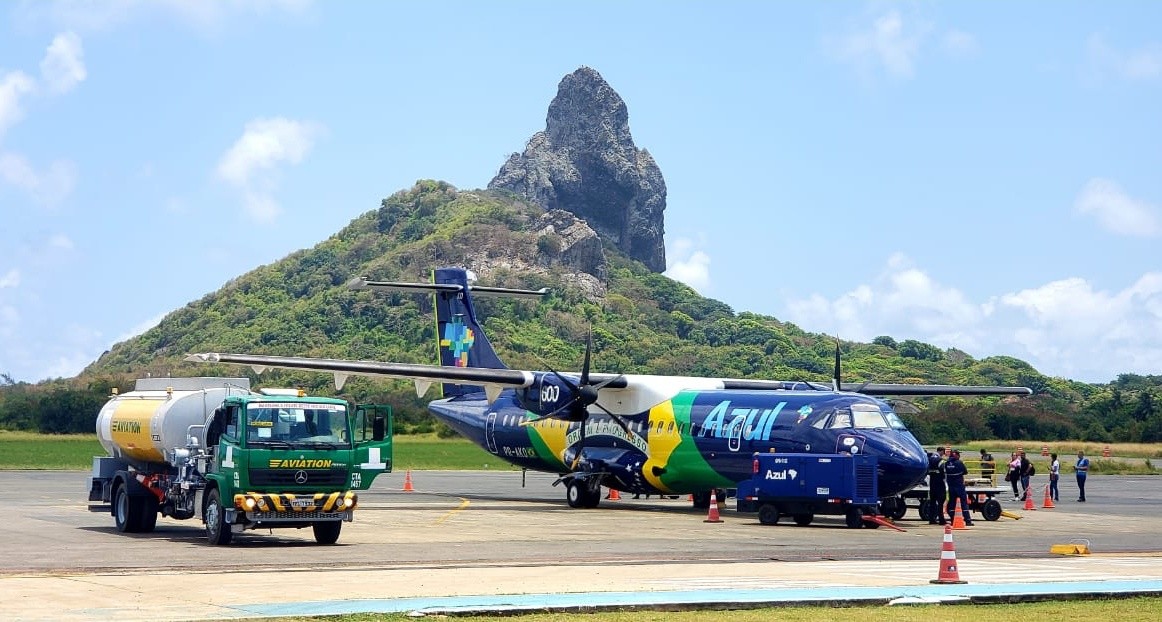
(636, 433)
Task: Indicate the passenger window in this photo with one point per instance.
(670, 428)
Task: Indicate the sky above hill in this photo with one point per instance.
(984, 178)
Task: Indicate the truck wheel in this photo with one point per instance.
(327, 532)
(768, 514)
(991, 510)
(217, 529)
(148, 508)
(853, 518)
(126, 511)
(803, 520)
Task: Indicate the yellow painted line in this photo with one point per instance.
(463, 504)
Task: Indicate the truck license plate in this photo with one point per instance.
(302, 503)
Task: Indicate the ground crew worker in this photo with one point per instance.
(1082, 467)
(937, 491)
(1054, 475)
(954, 472)
(988, 466)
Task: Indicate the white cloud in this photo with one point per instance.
(49, 187)
(960, 44)
(13, 85)
(10, 279)
(1118, 212)
(887, 42)
(252, 163)
(688, 264)
(1103, 59)
(63, 66)
(60, 241)
(1064, 328)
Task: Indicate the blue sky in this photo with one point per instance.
(982, 178)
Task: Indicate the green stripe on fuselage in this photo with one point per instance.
(686, 467)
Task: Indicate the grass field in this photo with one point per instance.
(26, 450)
(1127, 610)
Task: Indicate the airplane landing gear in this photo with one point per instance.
(583, 493)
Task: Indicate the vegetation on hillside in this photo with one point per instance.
(644, 323)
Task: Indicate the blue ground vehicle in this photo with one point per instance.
(804, 485)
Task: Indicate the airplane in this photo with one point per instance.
(644, 434)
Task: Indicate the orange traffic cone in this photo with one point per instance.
(1029, 505)
(613, 495)
(712, 516)
(407, 482)
(1048, 502)
(948, 571)
(957, 516)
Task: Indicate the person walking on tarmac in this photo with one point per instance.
(988, 466)
(937, 491)
(954, 472)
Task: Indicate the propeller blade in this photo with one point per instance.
(551, 414)
(585, 365)
(835, 383)
(580, 449)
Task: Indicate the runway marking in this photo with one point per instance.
(463, 504)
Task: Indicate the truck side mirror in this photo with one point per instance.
(378, 428)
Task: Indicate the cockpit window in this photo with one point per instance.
(868, 416)
(894, 420)
(841, 419)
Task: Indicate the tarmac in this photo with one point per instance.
(504, 542)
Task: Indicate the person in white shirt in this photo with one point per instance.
(1054, 475)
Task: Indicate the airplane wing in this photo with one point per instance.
(424, 376)
(931, 389)
(494, 380)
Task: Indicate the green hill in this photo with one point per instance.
(642, 322)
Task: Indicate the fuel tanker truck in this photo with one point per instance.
(212, 449)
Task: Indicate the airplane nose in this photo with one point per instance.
(903, 464)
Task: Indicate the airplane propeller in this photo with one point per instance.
(585, 394)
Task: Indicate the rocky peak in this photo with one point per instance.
(585, 162)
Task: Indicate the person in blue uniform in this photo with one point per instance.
(937, 492)
(1082, 467)
(954, 472)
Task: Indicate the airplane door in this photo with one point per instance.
(490, 432)
(736, 433)
(849, 443)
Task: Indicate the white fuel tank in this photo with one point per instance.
(141, 425)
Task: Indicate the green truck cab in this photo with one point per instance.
(239, 460)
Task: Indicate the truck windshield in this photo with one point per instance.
(298, 424)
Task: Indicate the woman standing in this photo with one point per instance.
(1014, 473)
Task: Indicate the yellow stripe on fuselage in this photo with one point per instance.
(661, 445)
(553, 433)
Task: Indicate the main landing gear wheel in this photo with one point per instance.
(768, 514)
(582, 495)
(991, 510)
(925, 510)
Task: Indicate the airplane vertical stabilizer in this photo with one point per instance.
(461, 339)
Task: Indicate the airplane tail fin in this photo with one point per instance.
(459, 336)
